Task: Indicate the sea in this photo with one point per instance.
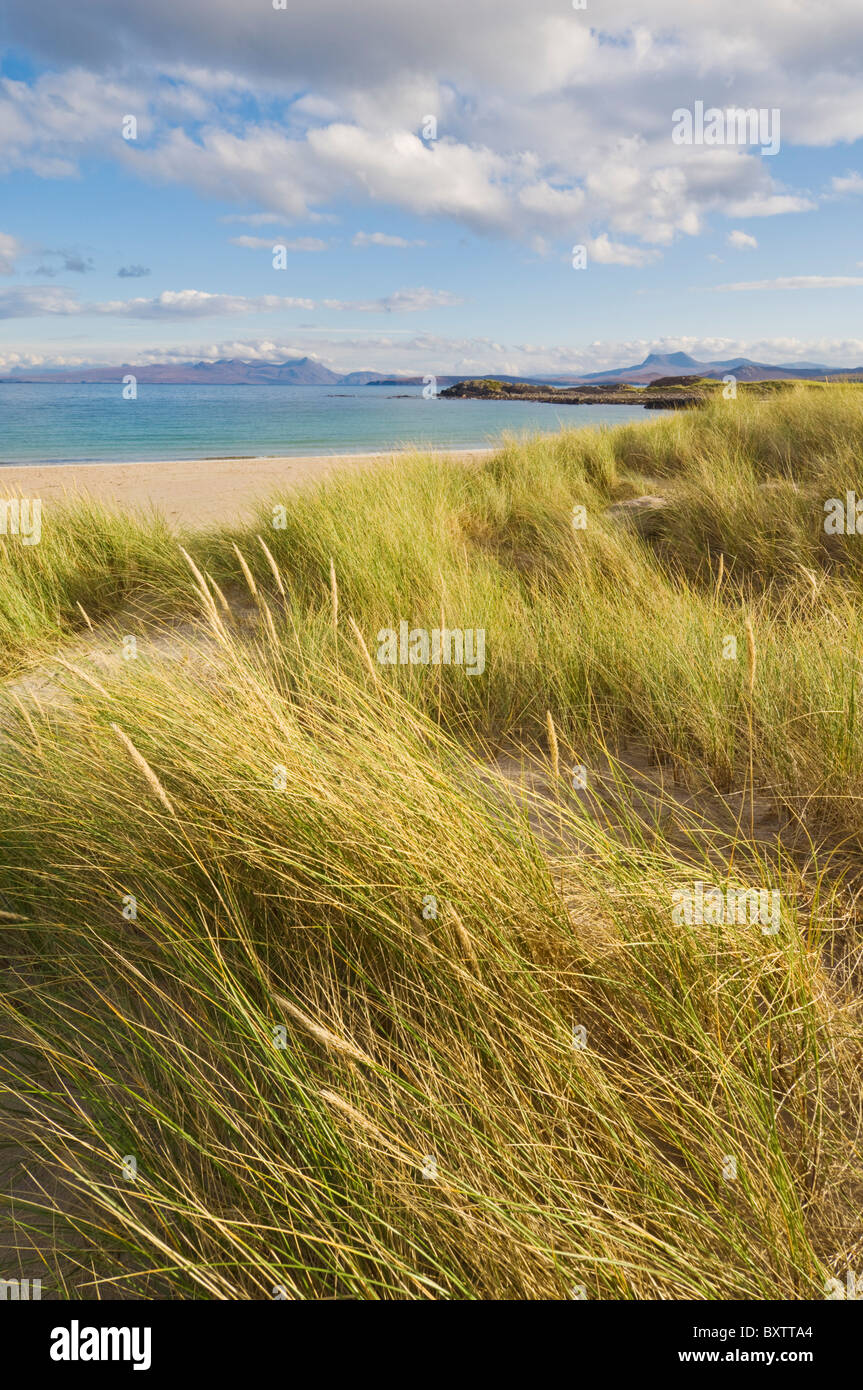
(93, 423)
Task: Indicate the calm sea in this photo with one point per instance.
(93, 423)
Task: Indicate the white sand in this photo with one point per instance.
(189, 492)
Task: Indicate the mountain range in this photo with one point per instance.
(303, 371)
(660, 364)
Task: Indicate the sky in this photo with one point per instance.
(429, 170)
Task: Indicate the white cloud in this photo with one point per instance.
(254, 219)
(11, 249)
(47, 126)
(419, 353)
(441, 178)
(652, 192)
(316, 108)
(785, 51)
(382, 239)
(195, 304)
(606, 252)
(798, 282)
(262, 243)
(557, 206)
(852, 182)
(402, 302)
(770, 205)
(551, 123)
(742, 241)
(43, 301)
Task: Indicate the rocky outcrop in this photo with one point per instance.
(489, 389)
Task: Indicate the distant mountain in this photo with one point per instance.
(794, 366)
(375, 379)
(657, 365)
(303, 371)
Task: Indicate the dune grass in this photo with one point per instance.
(275, 928)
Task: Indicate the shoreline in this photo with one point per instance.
(193, 492)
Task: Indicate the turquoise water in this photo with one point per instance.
(93, 423)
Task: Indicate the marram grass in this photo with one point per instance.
(300, 995)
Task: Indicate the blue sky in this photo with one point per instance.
(409, 251)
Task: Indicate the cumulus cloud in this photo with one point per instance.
(37, 301)
(773, 50)
(49, 125)
(606, 252)
(133, 272)
(441, 178)
(770, 205)
(852, 182)
(550, 123)
(742, 241)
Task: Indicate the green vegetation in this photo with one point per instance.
(280, 807)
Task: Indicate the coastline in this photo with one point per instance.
(192, 492)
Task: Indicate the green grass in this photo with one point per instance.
(281, 807)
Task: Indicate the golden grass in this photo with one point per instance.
(285, 994)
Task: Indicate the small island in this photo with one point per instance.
(668, 393)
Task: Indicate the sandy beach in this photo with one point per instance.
(188, 492)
